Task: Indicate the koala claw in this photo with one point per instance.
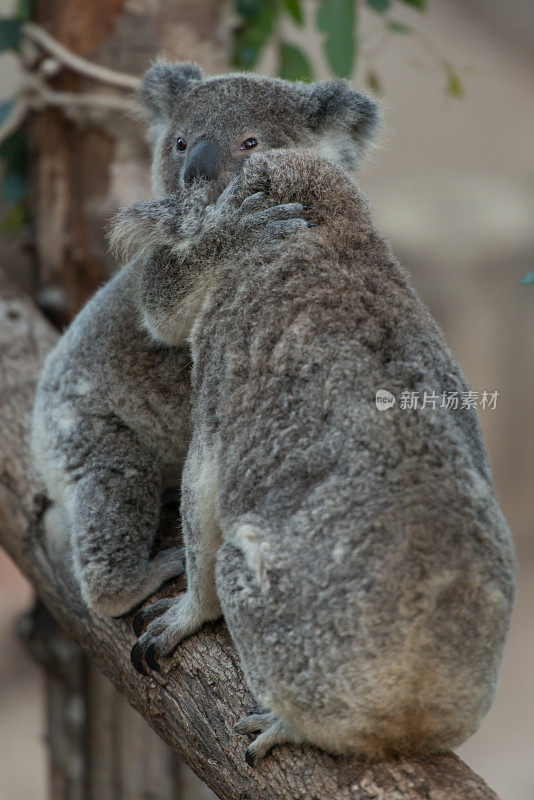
(272, 732)
(145, 615)
(136, 657)
(150, 657)
(143, 656)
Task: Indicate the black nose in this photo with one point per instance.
(202, 162)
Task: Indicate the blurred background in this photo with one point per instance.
(453, 188)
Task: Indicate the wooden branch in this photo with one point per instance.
(195, 701)
(98, 746)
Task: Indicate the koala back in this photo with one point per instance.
(352, 537)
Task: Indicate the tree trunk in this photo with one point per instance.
(200, 693)
(85, 164)
(99, 747)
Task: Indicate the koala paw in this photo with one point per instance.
(161, 627)
(144, 226)
(272, 730)
(261, 225)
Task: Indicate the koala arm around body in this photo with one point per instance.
(184, 238)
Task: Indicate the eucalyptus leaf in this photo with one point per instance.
(248, 9)
(14, 155)
(380, 6)
(294, 10)
(528, 279)
(419, 4)
(252, 35)
(25, 10)
(14, 152)
(16, 218)
(293, 64)
(337, 20)
(454, 84)
(9, 33)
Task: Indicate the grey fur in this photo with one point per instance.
(359, 556)
(111, 422)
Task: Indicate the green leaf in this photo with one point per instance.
(294, 10)
(25, 10)
(9, 34)
(16, 218)
(380, 6)
(293, 64)
(248, 9)
(14, 154)
(528, 279)
(5, 110)
(397, 27)
(251, 36)
(419, 4)
(337, 20)
(454, 84)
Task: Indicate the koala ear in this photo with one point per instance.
(163, 84)
(345, 120)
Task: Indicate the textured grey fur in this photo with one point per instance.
(111, 422)
(359, 556)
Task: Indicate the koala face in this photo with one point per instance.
(206, 129)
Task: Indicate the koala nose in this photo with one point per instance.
(202, 162)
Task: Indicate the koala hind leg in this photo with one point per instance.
(272, 733)
(113, 502)
(169, 622)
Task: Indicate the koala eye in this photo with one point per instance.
(181, 144)
(248, 144)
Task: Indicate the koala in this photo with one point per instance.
(111, 422)
(358, 555)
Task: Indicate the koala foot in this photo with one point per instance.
(165, 624)
(146, 615)
(272, 730)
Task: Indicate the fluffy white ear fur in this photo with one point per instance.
(164, 83)
(345, 120)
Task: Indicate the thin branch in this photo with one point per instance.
(48, 97)
(77, 63)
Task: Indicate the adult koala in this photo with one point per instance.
(111, 424)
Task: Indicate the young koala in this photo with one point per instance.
(358, 555)
(111, 424)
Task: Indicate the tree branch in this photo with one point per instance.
(195, 701)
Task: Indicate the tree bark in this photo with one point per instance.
(196, 699)
(86, 163)
(99, 747)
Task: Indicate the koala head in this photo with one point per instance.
(206, 128)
